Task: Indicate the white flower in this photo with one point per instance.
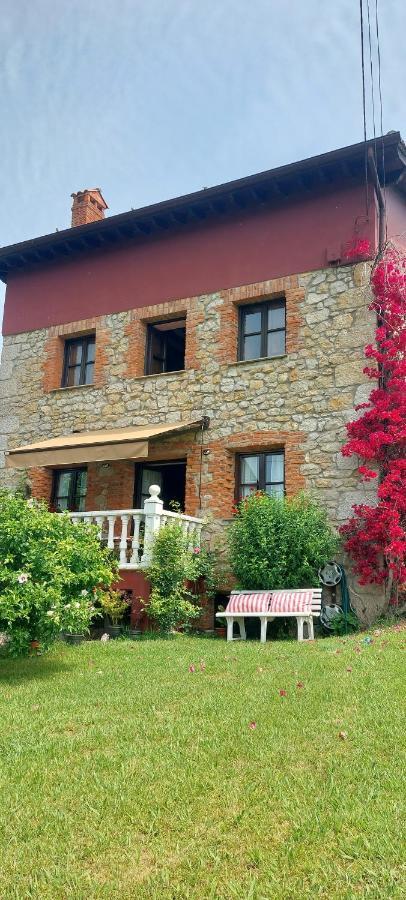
(77, 605)
(67, 606)
(23, 578)
(50, 612)
(84, 593)
(30, 503)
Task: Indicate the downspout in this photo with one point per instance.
(380, 198)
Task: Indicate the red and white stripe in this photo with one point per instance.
(291, 602)
(249, 602)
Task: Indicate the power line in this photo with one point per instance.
(364, 103)
(381, 112)
(372, 76)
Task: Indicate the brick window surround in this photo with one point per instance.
(112, 486)
(136, 332)
(54, 352)
(227, 346)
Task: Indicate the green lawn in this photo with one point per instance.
(125, 775)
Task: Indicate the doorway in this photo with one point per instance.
(171, 478)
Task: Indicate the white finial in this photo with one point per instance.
(154, 490)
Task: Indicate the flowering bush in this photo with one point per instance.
(173, 564)
(114, 605)
(49, 570)
(375, 536)
(279, 543)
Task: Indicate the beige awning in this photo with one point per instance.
(93, 446)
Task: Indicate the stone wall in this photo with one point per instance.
(300, 401)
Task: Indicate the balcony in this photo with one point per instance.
(130, 532)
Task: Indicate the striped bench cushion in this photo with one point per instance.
(291, 602)
(249, 602)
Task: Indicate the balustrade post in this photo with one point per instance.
(123, 539)
(153, 508)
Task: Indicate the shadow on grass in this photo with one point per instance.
(16, 671)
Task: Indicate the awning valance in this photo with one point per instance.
(93, 446)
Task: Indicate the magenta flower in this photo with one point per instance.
(192, 668)
(252, 725)
(196, 550)
(283, 693)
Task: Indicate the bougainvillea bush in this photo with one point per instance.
(50, 573)
(375, 536)
(279, 543)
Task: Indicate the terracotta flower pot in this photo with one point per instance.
(221, 632)
(35, 645)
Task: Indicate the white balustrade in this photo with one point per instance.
(131, 532)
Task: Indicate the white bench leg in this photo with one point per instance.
(300, 621)
(264, 623)
(310, 627)
(230, 625)
(241, 625)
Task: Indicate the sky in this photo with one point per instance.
(150, 99)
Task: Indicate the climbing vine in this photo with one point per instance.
(375, 536)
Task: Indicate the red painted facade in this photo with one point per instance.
(247, 247)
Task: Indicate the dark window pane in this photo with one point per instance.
(73, 376)
(157, 352)
(247, 489)
(275, 490)
(276, 343)
(81, 481)
(91, 346)
(89, 371)
(62, 503)
(252, 322)
(75, 354)
(249, 469)
(274, 467)
(276, 315)
(63, 483)
(252, 347)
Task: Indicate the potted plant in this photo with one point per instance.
(114, 604)
(76, 618)
(134, 631)
(221, 625)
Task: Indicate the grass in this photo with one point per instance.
(125, 775)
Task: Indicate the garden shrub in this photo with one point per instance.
(50, 572)
(279, 543)
(173, 566)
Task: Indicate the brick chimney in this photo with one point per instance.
(88, 206)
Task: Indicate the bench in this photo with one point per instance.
(301, 604)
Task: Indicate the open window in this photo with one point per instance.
(169, 476)
(165, 347)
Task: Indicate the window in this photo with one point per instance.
(171, 478)
(165, 347)
(262, 330)
(79, 361)
(262, 472)
(69, 489)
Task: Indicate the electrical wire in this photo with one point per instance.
(378, 46)
(372, 76)
(364, 104)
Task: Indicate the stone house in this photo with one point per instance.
(209, 344)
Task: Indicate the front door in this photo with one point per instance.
(171, 478)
